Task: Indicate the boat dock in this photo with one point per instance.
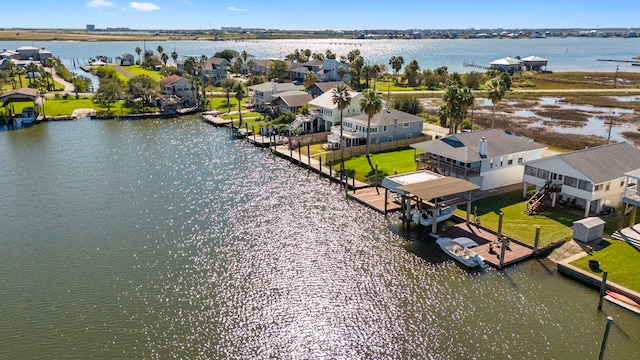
(215, 120)
(478, 66)
(489, 245)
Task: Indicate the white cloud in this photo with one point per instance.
(145, 6)
(233, 8)
(99, 3)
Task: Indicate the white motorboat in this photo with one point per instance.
(425, 217)
(28, 116)
(459, 249)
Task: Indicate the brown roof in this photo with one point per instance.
(20, 94)
(171, 79)
(440, 187)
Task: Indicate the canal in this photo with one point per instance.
(165, 239)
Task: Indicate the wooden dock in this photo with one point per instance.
(215, 120)
(489, 247)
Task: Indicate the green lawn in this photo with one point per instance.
(555, 225)
(136, 70)
(619, 259)
(61, 107)
(389, 163)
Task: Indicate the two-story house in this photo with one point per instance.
(290, 101)
(588, 179)
(387, 125)
(327, 114)
(487, 158)
(261, 94)
(177, 86)
(215, 69)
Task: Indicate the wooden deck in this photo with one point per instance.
(374, 199)
(489, 246)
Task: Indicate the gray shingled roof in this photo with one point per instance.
(602, 163)
(295, 100)
(464, 146)
(386, 117)
(325, 86)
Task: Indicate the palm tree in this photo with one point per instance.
(495, 89)
(164, 57)
(458, 100)
(160, 49)
(370, 104)
(174, 56)
(10, 67)
(396, 63)
(138, 51)
(310, 78)
(244, 55)
(342, 99)
(227, 85)
(238, 88)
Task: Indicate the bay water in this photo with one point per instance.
(166, 239)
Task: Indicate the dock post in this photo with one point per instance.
(503, 247)
(253, 129)
(385, 201)
(330, 173)
(353, 182)
(320, 165)
(603, 287)
(605, 337)
(500, 224)
(536, 241)
(291, 150)
(468, 211)
(346, 184)
(309, 156)
(299, 155)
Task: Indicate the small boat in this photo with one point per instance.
(28, 116)
(622, 301)
(459, 249)
(425, 218)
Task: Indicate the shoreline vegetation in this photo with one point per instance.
(125, 34)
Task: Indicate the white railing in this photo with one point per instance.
(632, 191)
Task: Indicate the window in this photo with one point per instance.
(384, 128)
(607, 186)
(409, 136)
(584, 185)
(404, 125)
(570, 181)
(530, 170)
(519, 159)
(621, 183)
(390, 138)
(510, 162)
(543, 174)
(598, 187)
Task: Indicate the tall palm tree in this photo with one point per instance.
(310, 78)
(396, 63)
(238, 88)
(342, 99)
(174, 56)
(458, 100)
(370, 104)
(10, 67)
(32, 68)
(164, 57)
(244, 55)
(495, 88)
(138, 51)
(160, 49)
(227, 85)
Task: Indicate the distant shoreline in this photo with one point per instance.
(217, 35)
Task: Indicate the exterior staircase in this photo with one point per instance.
(535, 205)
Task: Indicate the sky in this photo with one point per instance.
(322, 15)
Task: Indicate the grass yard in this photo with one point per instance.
(555, 225)
(389, 163)
(619, 259)
(136, 70)
(61, 107)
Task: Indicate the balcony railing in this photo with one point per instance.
(447, 168)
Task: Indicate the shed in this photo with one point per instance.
(588, 229)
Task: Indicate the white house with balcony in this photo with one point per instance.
(327, 112)
(386, 126)
(588, 179)
(487, 158)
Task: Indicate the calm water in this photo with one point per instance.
(163, 239)
(564, 54)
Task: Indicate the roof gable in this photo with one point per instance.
(604, 163)
(170, 80)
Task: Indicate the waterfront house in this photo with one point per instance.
(588, 179)
(177, 86)
(631, 198)
(386, 126)
(297, 72)
(507, 64)
(326, 112)
(261, 66)
(487, 158)
(322, 87)
(534, 63)
(215, 69)
(289, 101)
(9, 54)
(127, 60)
(261, 94)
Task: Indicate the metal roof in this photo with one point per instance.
(440, 187)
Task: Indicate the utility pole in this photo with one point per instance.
(615, 79)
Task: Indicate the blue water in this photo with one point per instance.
(564, 54)
(159, 239)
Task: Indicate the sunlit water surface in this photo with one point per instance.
(165, 239)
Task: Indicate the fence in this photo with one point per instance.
(374, 148)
